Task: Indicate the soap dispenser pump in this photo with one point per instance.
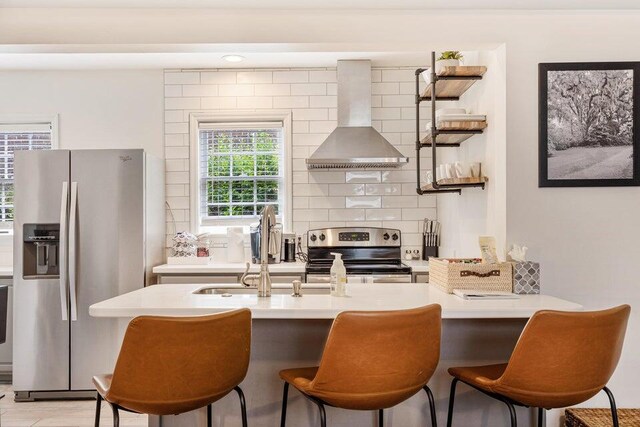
(338, 276)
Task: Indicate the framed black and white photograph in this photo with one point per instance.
(589, 124)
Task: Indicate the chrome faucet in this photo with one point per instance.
(262, 280)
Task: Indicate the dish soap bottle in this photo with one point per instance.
(338, 277)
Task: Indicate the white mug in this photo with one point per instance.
(476, 169)
(450, 170)
(429, 176)
(442, 172)
(463, 170)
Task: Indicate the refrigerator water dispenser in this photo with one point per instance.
(41, 251)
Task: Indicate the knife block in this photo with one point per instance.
(428, 251)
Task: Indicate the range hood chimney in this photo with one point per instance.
(354, 144)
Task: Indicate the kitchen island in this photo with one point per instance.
(290, 332)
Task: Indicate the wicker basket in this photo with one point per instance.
(587, 417)
(470, 276)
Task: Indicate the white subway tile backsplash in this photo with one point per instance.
(320, 198)
(219, 103)
(254, 77)
(361, 177)
(309, 89)
(290, 102)
(322, 126)
(323, 101)
(346, 215)
(346, 190)
(236, 90)
(181, 78)
(326, 76)
(369, 202)
(310, 114)
(219, 77)
(273, 90)
(200, 90)
(172, 91)
(382, 189)
(290, 76)
(181, 103)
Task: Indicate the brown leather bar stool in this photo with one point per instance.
(561, 359)
(172, 365)
(372, 360)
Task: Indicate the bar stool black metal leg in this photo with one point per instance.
(243, 405)
(98, 407)
(116, 416)
(285, 394)
(614, 410)
(380, 417)
(432, 406)
(512, 413)
(323, 414)
(209, 415)
(540, 417)
(452, 396)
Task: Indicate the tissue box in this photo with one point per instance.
(526, 277)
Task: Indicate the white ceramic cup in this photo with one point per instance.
(429, 177)
(442, 172)
(450, 170)
(463, 170)
(476, 169)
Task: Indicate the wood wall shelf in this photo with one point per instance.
(453, 82)
(455, 184)
(448, 85)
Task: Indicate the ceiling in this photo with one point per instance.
(333, 4)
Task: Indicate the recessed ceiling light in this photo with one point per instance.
(233, 58)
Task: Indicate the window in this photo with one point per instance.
(241, 168)
(13, 137)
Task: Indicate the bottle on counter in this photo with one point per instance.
(338, 277)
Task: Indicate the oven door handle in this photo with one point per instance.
(391, 278)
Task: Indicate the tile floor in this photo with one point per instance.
(74, 413)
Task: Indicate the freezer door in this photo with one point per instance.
(106, 257)
(41, 328)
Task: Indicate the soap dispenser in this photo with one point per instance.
(338, 276)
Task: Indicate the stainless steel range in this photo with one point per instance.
(371, 255)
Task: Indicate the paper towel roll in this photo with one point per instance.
(235, 244)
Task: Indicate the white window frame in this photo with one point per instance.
(195, 119)
(22, 119)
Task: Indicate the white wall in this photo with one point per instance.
(320, 198)
(96, 109)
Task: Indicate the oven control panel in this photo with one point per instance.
(353, 237)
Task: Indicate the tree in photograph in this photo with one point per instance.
(590, 108)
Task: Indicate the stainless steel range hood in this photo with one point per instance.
(354, 143)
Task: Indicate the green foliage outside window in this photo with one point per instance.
(243, 171)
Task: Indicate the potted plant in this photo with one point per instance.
(448, 58)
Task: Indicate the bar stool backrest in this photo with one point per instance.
(378, 359)
(564, 358)
(171, 365)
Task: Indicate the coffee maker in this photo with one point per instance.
(276, 233)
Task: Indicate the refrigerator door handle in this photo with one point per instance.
(64, 210)
(72, 250)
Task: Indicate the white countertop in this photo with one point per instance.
(179, 300)
(228, 267)
(238, 267)
(6, 271)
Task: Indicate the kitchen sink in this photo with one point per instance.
(212, 290)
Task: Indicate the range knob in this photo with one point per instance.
(313, 238)
(385, 236)
(322, 237)
(395, 236)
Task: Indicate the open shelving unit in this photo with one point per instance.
(448, 85)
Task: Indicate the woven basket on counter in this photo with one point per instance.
(448, 276)
(587, 417)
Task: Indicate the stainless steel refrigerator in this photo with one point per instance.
(88, 226)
